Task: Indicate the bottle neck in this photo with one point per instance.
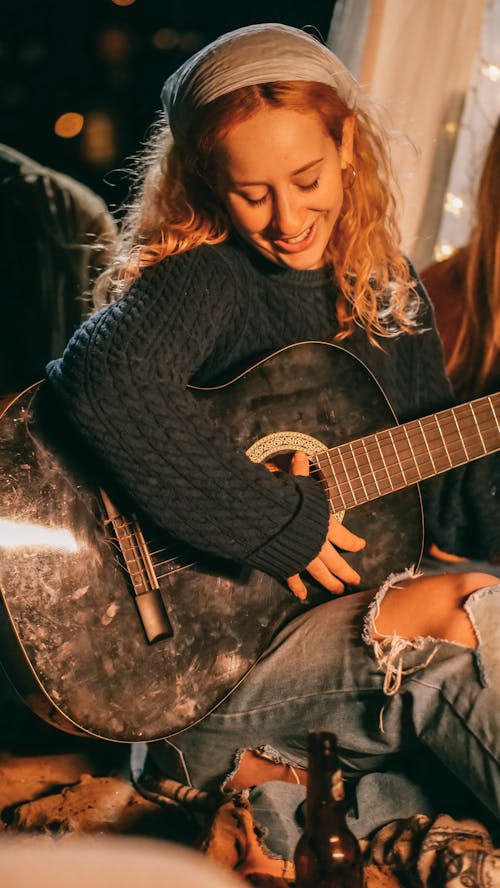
(325, 785)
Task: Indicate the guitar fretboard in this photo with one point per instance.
(373, 466)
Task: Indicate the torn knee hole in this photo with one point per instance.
(403, 614)
(256, 766)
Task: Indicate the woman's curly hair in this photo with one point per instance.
(175, 208)
(474, 363)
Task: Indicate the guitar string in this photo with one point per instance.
(364, 453)
(139, 572)
(395, 434)
(364, 456)
(381, 485)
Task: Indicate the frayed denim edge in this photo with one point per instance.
(471, 599)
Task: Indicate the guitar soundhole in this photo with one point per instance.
(276, 452)
(280, 462)
(283, 444)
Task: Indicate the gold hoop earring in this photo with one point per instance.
(353, 173)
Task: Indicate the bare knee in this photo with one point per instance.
(431, 606)
(254, 769)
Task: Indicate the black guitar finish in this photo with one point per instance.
(71, 639)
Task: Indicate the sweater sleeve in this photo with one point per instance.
(124, 383)
(462, 506)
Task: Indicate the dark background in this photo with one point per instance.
(108, 62)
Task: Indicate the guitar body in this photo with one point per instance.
(71, 640)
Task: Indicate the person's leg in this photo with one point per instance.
(432, 606)
(320, 673)
(455, 699)
(317, 665)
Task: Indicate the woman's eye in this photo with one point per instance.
(258, 202)
(310, 187)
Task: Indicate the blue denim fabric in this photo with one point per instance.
(319, 673)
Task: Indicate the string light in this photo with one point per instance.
(443, 251)
(492, 72)
(454, 204)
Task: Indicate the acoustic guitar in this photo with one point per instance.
(111, 628)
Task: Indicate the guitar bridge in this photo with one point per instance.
(140, 568)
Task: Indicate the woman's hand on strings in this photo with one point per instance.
(328, 568)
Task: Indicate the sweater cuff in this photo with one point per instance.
(291, 550)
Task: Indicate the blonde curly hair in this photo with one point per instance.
(174, 208)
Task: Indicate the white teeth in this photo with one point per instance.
(299, 238)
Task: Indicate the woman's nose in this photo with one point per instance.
(287, 214)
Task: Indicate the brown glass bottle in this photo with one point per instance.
(327, 854)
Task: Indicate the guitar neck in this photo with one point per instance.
(371, 467)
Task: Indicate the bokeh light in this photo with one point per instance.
(454, 204)
(166, 38)
(69, 125)
(99, 139)
(443, 251)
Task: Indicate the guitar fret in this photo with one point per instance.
(366, 471)
(344, 504)
(478, 429)
(466, 452)
(436, 420)
(488, 423)
(397, 457)
(386, 440)
(490, 402)
(368, 468)
(329, 475)
(429, 453)
(413, 455)
(354, 498)
(470, 430)
(359, 471)
(405, 455)
(373, 471)
(420, 449)
(376, 439)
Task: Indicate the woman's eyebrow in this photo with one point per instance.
(301, 169)
(307, 166)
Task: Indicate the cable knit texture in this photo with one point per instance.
(198, 318)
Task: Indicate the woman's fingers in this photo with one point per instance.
(343, 538)
(296, 585)
(329, 568)
(299, 464)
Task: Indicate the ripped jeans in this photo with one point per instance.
(417, 723)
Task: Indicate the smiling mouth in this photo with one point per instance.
(300, 241)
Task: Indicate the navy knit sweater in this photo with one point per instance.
(197, 318)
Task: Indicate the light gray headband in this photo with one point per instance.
(250, 55)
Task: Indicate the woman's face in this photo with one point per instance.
(280, 178)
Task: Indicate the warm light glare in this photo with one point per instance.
(443, 251)
(114, 44)
(15, 535)
(99, 142)
(165, 38)
(123, 2)
(492, 72)
(454, 204)
(69, 125)
(450, 127)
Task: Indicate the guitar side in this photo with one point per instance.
(71, 638)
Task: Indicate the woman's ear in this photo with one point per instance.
(347, 144)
